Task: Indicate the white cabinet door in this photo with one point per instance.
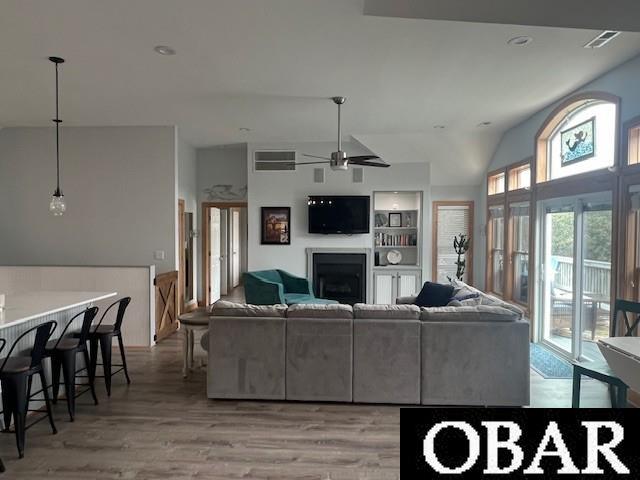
(408, 283)
(384, 291)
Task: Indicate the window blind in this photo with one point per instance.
(452, 220)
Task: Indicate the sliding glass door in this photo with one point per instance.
(574, 304)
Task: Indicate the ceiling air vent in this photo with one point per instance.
(602, 39)
(271, 161)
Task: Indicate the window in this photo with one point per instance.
(579, 136)
(450, 220)
(496, 183)
(631, 285)
(495, 235)
(634, 145)
(520, 177)
(519, 218)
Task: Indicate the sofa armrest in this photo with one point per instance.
(262, 292)
(409, 300)
(293, 284)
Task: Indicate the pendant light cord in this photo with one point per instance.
(57, 122)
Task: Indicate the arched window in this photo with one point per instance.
(579, 136)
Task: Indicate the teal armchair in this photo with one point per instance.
(269, 287)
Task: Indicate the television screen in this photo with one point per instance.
(345, 214)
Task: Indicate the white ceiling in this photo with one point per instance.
(270, 64)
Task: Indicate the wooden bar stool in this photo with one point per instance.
(102, 335)
(63, 352)
(16, 376)
(190, 322)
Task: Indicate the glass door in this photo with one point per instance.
(575, 288)
(558, 253)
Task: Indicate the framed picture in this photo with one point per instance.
(395, 219)
(276, 226)
(578, 143)
(381, 220)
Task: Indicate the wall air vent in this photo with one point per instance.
(602, 39)
(272, 161)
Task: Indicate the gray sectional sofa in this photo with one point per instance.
(397, 354)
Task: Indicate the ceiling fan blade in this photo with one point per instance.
(367, 161)
(325, 162)
(316, 156)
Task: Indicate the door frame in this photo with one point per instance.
(206, 259)
(181, 257)
(576, 202)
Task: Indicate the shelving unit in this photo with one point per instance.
(404, 278)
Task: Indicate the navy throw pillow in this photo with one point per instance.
(434, 295)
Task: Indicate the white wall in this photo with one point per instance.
(220, 166)
(281, 189)
(119, 184)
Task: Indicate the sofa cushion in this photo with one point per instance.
(434, 295)
(462, 288)
(464, 302)
(478, 313)
(223, 308)
(296, 298)
(386, 312)
(320, 311)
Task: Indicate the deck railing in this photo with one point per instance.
(597, 276)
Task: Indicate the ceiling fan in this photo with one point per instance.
(339, 160)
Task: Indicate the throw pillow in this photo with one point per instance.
(434, 295)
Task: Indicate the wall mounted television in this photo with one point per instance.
(339, 214)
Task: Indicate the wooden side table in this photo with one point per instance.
(189, 323)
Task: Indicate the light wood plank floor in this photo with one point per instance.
(163, 427)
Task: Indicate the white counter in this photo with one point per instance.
(20, 308)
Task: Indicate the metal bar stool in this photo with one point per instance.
(16, 376)
(103, 335)
(63, 352)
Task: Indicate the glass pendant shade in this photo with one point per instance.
(57, 206)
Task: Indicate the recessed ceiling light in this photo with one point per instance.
(520, 41)
(164, 50)
(439, 127)
(244, 129)
(484, 124)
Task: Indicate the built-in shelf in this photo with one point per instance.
(396, 246)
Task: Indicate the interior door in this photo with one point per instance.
(224, 251)
(214, 255)
(235, 247)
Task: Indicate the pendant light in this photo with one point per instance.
(57, 206)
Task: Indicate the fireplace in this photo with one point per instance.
(340, 276)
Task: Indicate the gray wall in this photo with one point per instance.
(120, 188)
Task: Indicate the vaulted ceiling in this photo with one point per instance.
(269, 65)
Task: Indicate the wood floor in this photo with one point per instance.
(163, 427)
